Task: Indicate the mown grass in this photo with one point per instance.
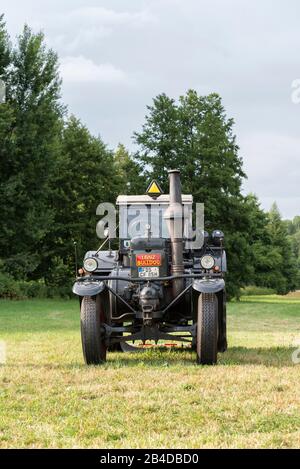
(159, 398)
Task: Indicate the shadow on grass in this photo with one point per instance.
(267, 356)
(277, 357)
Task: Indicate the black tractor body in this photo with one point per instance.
(158, 286)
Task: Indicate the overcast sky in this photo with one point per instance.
(117, 55)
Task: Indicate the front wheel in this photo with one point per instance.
(207, 329)
(92, 318)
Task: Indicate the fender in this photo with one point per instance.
(209, 285)
(88, 288)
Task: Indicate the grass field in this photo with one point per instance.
(48, 398)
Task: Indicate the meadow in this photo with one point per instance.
(156, 399)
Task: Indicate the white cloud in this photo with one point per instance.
(107, 17)
(89, 27)
(288, 206)
(82, 70)
(272, 164)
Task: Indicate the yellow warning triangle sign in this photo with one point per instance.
(154, 189)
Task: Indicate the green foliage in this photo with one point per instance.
(30, 123)
(9, 288)
(4, 48)
(270, 254)
(255, 291)
(128, 172)
(19, 289)
(33, 289)
(283, 276)
(84, 179)
(195, 136)
(293, 230)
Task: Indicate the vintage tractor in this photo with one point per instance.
(158, 286)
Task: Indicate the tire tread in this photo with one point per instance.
(93, 345)
(207, 329)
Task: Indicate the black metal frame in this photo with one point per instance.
(102, 278)
(158, 331)
(137, 313)
(157, 313)
(150, 333)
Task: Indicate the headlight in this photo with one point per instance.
(90, 264)
(207, 262)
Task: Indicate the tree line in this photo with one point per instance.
(54, 173)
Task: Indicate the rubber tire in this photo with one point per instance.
(207, 329)
(222, 339)
(93, 341)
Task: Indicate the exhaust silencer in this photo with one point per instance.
(174, 219)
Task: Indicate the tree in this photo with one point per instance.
(282, 275)
(158, 139)
(5, 48)
(195, 136)
(85, 177)
(293, 229)
(30, 152)
(6, 111)
(128, 172)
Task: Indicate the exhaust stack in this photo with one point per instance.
(174, 219)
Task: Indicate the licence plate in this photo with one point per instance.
(148, 272)
(148, 260)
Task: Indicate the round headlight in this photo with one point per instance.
(90, 264)
(207, 262)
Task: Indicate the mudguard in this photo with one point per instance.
(88, 288)
(209, 285)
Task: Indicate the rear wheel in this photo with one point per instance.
(207, 329)
(92, 318)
